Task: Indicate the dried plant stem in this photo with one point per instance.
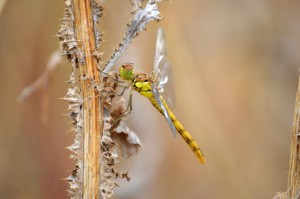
(94, 149)
(92, 105)
(294, 170)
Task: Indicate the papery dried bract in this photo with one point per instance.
(108, 159)
(128, 143)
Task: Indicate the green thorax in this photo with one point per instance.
(141, 82)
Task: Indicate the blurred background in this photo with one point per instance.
(235, 68)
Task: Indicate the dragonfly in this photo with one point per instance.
(157, 87)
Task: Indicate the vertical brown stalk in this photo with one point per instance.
(294, 170)
(92, 105)
(93, 148)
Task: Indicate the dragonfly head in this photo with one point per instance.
(126, 71)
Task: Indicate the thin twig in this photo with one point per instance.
(43, 80)
(141, 18)
(2, 5)
(293, 190)
(294, 170)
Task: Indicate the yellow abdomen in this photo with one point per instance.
(180, 129)
(144, 88)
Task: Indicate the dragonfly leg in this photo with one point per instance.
(123, 91)
(128, 109)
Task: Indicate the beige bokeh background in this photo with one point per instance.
(235, 66)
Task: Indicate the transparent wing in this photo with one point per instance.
(165, 85)
(160, 54)
(163, 108)
(161, 71)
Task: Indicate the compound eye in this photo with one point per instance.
(128, 66)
